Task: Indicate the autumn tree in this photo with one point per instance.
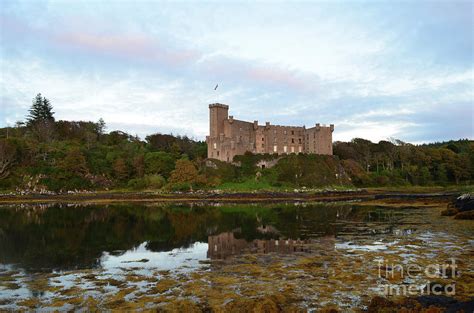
(7, 158)
(74, 163)
(120, 169)
(185, 174)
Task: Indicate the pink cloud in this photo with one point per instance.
(132, 46)
(142, 47)
(266, 74)
(275, 75)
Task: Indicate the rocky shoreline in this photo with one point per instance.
(219, 196)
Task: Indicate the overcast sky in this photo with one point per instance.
(374, 69)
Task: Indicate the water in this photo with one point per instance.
(316, 255)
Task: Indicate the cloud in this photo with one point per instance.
(129, 46)
(153, 67)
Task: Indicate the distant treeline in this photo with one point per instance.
(45, 154)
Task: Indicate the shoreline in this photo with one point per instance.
(241, 197)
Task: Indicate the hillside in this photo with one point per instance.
(44, 155)
(82, 156)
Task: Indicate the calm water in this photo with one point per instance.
(98, 250)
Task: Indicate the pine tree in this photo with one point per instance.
(36, 110)
(41, 110)
(47, 110)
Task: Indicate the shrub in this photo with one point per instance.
(147, 182)
(159, 163)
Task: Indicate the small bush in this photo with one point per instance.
(147, 182)
(136, 183)
(155, 181)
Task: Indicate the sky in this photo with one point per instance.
(375, 69)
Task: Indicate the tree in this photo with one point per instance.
(36, 110)
(48, 113)
(139, 165)
(101, 127)
(363, 149)
(120, 169)
(7, 158)
(185, 173)
(442, 174)
(41, 118)
(75, 163)
(41, 110)
(161, 163)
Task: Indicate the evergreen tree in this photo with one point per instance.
(36, 110)
(41, 110)
(47, 110)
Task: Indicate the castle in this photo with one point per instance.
(229, 137)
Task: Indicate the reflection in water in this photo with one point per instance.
(225, 245)
(63, 237)
(186, 258)
(60, 257)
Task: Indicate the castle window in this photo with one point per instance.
(284, 132)
(215, 145)
(285, 148)
(300, 149)
(292, 140)
(217, 153)
(263, 145)
(292, 149)
(292, 132)
(299, 140)
(275, 148)
(263, 139)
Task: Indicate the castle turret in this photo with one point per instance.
(218, 113)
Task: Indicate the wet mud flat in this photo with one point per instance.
(306, 257)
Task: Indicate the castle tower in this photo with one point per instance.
(218, 113)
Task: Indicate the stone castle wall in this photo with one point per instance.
(229, 137)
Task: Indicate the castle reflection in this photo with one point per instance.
(225, 244)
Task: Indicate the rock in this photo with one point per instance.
(421, 304)
(447, 303)
(464, 203)
(467, 215)
(461, 208)
(441, 301)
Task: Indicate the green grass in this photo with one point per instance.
(250, 185)
(426, 189)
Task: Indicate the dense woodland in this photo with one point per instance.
(44, 154)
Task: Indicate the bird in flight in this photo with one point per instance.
(216, 86)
